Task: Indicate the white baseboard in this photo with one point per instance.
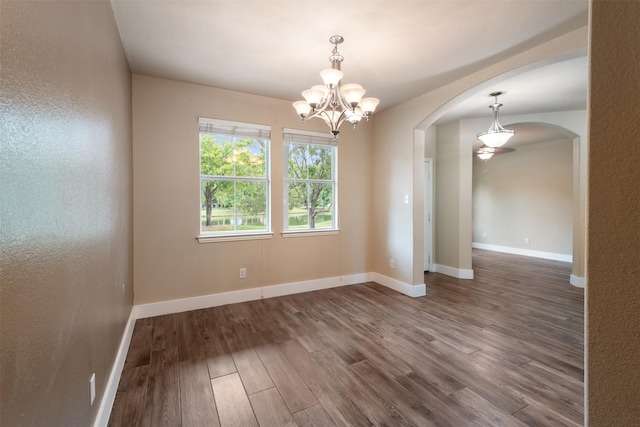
(244, 295)
(142, 311)
(526, 252)
(314, 285)
(196, 303)
(459, 273)
(404, 288)
(578, 282)
(111, 388)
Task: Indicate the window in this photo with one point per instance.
(234, 178)
(310, 181)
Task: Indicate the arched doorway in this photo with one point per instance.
(453, 166)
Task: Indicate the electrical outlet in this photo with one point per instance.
(526, 240)
(392, 263)
(243, 273)
(406, 199)
(92, 387)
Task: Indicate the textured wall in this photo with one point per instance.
(613, 260)
(65, 206)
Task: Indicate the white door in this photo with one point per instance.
(428, 214)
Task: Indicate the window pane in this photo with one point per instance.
(229, 206)
(251, 205)
(217, 194)
(222, 155)
(216, 155)
(310, 206)
(298, 161)
(298, 213)
(249, 156)
(217, 210)
(320, 205)
(310, 161)
(320, 161)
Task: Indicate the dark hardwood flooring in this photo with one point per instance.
(504, 349)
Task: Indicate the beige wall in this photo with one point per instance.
(65, 206)
(169, 262)
(393, 157)
(448, 183)
(613, 272)
(526, 194)
(393, 163)
(573, 124)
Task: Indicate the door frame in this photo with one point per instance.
(428, 237)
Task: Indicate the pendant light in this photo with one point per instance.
(496, 136)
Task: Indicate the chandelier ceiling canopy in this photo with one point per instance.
(496, 136)
(333, 101)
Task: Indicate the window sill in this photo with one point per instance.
(310, 233)
(216, 238)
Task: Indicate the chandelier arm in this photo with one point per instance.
(326, 117)
(330, 101)
(341, 101)
(334, 101)
(343, 117)
(316, 113)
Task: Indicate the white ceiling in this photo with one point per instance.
(396, 49)
(561, 86)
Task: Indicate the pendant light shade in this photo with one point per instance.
(485, 153)
(496, 136)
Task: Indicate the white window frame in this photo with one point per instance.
(241, 129)
(296, 136)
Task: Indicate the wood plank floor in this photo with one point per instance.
(504, 349)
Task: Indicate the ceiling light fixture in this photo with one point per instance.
(334, 102)
(485, 153)
(496, 136)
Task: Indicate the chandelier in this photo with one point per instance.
(496, 136)
(334, 102)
